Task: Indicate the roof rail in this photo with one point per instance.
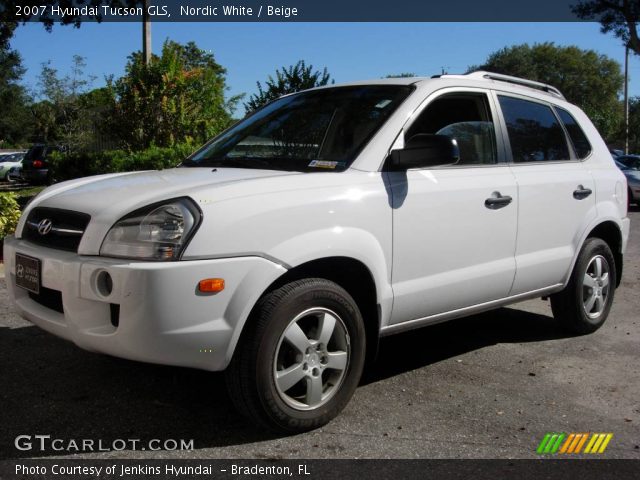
(518, 81)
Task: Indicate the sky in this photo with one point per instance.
(350, 51)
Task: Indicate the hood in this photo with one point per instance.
(107, 198)
(125, 192)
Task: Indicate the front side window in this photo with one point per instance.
(310, 131)
(466, 118)
(534, 132)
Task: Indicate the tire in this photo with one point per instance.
(583, 306)
(285, 334)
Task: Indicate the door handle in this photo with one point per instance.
(581, 192)
(497, 200)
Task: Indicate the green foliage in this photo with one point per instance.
(9, 213)
(288, 80)
(178, 98)
(634, 126)
(401, 75)
(14, 117)
(586, 78)
(63, 115)
(620, 18)
(83, 164)
(9, 21)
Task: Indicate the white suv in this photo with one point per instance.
(286, 246)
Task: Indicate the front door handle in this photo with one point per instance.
(581, 192)
(496, 201)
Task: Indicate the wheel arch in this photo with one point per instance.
(352, 275)
(610, 232)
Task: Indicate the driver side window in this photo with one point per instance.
(464, 117)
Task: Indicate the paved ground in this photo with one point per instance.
(482, 387)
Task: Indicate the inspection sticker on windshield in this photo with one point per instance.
(325, 164)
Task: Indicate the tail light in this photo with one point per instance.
(38, 164)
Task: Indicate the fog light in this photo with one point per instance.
(104, 283)
(211, 285)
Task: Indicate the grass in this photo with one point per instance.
(29, 191)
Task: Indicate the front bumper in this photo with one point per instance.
(163, 318)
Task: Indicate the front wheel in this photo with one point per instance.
(583, 306)
(300, 358)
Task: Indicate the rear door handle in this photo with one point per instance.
(581, 192)
(496, 201)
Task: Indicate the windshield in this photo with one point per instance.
(311, 131)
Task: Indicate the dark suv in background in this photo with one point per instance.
(35, 167)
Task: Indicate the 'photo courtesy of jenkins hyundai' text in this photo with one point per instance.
(319, 239)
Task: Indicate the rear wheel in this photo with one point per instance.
(583, 306)
(301, 357)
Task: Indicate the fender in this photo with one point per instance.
(588, 229)
(348, 242)
(343, 242)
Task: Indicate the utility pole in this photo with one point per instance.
(146, 34)
(626, 100)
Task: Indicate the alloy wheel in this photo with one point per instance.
(311, 359)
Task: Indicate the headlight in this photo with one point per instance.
(156, 232)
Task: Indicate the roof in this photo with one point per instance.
(481, 76)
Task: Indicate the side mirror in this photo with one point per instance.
(426, 150)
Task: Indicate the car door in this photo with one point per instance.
(454, 226)
(556, 192)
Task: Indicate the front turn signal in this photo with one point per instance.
(211, 285)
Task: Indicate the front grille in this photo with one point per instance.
(48, 298)
(55, 228)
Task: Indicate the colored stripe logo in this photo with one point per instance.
(568, 443)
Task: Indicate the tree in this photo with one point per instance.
(634, 125)
(61, 116)
(590, 80)
(288, 80)
(401, 75)
(9, 19)
(619, 17)
(179, 97)
(13, 98)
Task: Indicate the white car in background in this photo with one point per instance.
(283, 249)
(10, 166)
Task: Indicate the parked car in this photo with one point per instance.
(15, 173)
(629, 161)
(10, 163)
(633, 181)
(285, 247)
(36, 168)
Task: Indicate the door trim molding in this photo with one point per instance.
(466, 311)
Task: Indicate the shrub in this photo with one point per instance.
(84, 164)
(9, 213)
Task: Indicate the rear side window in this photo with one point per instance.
(578, 138)
(35, 152)
(534, 131)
